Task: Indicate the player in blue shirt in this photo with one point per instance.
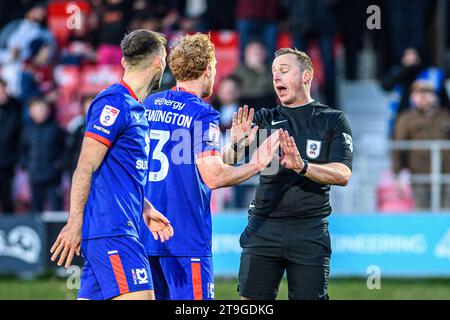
(185, 164)
(108, 189)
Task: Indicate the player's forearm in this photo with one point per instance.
(330, 173)
(230, 176)
(230, 156)
(81, 187)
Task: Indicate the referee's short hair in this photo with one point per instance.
(138, 45)
(303, 58)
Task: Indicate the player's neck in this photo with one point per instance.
(195, 87)
(137, 83)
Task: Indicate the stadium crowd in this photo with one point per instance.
(55, 56)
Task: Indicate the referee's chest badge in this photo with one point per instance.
(313, 148)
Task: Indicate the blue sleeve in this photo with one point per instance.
(207, 135)
(106, 119)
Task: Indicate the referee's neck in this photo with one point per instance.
(299, 102)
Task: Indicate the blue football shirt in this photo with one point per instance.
(115, 204)
(182, 128)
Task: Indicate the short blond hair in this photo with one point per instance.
(303, 58)
(191, 56)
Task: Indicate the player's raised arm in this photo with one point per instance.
(69, 239)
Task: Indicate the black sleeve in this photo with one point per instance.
(260, 116)
(341, 144)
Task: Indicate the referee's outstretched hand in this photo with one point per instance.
(290, 156)
(242, 132)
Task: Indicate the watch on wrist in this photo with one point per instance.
(305, 167)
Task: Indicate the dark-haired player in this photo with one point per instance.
(107, 196)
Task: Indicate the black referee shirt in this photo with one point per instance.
(322, 135)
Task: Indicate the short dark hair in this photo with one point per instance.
(303, 58)
(140, 44)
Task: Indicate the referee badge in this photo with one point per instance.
(313, 148)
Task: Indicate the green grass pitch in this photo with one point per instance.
(225, 289)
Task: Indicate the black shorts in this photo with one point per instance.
(301, 247)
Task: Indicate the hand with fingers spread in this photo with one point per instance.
(290, 156)
(158, 224)
(242, 133)
(67, 244)
(266, 151)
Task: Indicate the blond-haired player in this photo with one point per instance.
(185, 164)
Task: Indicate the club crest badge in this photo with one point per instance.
(313, 148)
(109, 115)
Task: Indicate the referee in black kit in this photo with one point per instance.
(288, 227)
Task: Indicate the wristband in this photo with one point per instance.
(305, 167)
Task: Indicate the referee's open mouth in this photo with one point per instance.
(281, 90)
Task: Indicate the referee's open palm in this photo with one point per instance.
(241, 129)
(290, 156)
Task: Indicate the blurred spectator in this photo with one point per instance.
(425, 121)
(400, 78)
(37, 76)
(394, 192)
(257, 19)
(184, 15)
(219, 15)
(42, 154)
(16, 36)
(408, 24)
(16, 40)
(351, 15)
(80, 44)
(315, 20)
(255, 77)
(227, 101)
(10, 120)
(75, 130)
(113, 22)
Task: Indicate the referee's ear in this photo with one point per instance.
(307, 76)
(122, 62)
